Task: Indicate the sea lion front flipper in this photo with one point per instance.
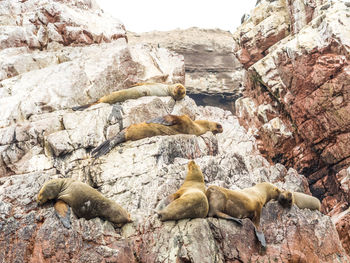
(224, 216)
(62, 210)
(167, 120)
(166, 201)
(108, 145)
(261, 237)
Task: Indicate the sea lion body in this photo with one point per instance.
(176, 91)
(189, 201)
(301, 200)
(85, 201)
(173, 125)
(166, 125)
(245, 203)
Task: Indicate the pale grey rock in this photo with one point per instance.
(210, 64)
(60, 142)
(83, 80)
(36, 101)
(138, 174)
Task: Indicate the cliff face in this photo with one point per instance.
(42, 138)
(297, 94)
(214, 76)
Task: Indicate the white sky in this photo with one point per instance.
(147, 15)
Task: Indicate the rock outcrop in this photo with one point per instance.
(214, 76)
(138, 175)
(297, 89)
(42, 138)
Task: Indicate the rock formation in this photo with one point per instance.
(42, 138)
(214, 76)
(296, 100)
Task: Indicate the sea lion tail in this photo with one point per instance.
(83, 107)
(108, 145)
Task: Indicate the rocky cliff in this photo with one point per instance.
(53, 57)
(296, 100)
(214, 76)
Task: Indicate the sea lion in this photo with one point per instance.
(85, 201)
(176, 91)
(187, 202)
(245, 203)
(301, 200)
(166, 125)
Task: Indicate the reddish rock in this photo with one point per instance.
(292, 236)
(305, 78)
(40, 23)
(268, 24)
(342, 223)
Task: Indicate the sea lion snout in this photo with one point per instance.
(40, 199)
(192, 166)
(285, 198)
(179, 92)
(191, 163)
(217, 129)
(129, 218)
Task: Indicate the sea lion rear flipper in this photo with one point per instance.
(224, 216)
(62, 210)
(167, 120)
(261, 237)
(83, 107)
(108, 145)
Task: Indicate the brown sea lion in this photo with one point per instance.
(245, 203)
(85, 201)
(301, 200)
(187, 202)
(166, 125)
(176, 91)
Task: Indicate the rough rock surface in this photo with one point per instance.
(296, 100)
(138, 175)
(37, 23)
(42, 138)
(268, 23)
(214, 76)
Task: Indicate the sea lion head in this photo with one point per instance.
(179, 91)
(272, 191)
(50, 190)
(194, 172)
(215, 127)
(119, 215)
(285, 199)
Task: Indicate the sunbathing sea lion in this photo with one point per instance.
(166, 125)
(85, 201)
(245, 203)
(189, 201)
(301, 200)
(176, 91)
